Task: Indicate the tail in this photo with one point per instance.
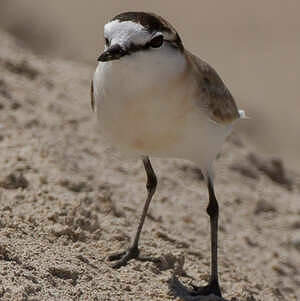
(243, 114)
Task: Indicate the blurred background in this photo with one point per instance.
(253, 45)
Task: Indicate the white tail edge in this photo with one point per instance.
(243, 114)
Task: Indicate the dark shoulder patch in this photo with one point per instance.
(92, 96)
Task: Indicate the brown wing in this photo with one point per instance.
(92, 96)
(214, 95)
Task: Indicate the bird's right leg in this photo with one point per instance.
(122, 258)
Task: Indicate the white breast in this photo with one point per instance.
(137, 101)
(145, 106)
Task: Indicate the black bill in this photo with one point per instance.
(112, 53)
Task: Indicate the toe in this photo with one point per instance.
(116, 256)
(187, 294)
(122, 258)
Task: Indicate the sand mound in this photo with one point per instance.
(67, 200)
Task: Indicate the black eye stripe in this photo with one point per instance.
(134, 48)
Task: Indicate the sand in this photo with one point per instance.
(68, 200)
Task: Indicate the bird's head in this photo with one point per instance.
(138, 32)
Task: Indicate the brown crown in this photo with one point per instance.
(152, 23)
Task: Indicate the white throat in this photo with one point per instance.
(143, 70)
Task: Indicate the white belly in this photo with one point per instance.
(144, 113)
(144, 120)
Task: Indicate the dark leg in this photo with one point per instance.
(213, 212)
(213, 285)
(133, 251)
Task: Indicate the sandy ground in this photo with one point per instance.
(67, 200)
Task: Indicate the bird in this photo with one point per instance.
(154, 98)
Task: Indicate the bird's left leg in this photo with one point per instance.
(211, 291)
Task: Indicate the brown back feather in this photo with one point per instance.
(213, 94)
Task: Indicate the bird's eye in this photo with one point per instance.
(157, 41)
(106, 41)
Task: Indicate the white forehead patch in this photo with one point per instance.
(126, 32)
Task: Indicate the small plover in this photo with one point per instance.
(155, 98)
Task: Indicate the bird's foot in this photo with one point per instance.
(122, 258)
(210, 292)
